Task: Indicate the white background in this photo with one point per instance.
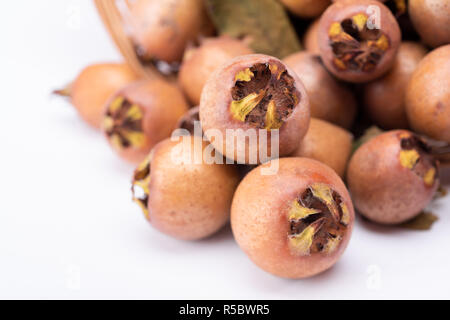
(68, 228)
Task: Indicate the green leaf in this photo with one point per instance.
(264, 23)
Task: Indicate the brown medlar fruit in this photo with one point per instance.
(431, 18)
(94, 86)
(384, 98)
(358, 39)
(428, 95)
(142, 114)
(310, 40)
(199, 63)
(181, 197)
(306, 8)
(161, 29)
(248, 97)
(329, 100)
(328, 144)
(392, 177)
(296, 223)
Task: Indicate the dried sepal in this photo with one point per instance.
(415, 155)
(140, 185)
(241, 108)
(264, 96)
(298, 212)
(332, 244)
(356, 46)
(123, 124)
(318, 220)
(324, 193)
(302, 242)
(409, 158)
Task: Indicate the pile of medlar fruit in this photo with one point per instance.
(275, 145)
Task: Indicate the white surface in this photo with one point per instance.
(68, 228)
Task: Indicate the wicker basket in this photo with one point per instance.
(114, 13)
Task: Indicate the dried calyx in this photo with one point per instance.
(140, 186)
(356, 45)
(398, 7)
(318, 221)
(189, 120)
(123, 124)
(264, 95)
(416, 155)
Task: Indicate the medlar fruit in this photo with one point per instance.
(310, 40)
(306, 8)
(329, 100)
(296, 223)
(384, 98)
(431, 18)
(358, 39)
(428, 95)
(328, 144)
(250, 96)
(181, 197)
(161, 29)
(140, 115)
(94, 86)
(199, 63)
(392, 177)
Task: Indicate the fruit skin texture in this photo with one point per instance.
(189, 201)
(162, 28)
(306, 8)
(345, 9)
(310, 39)
(431, 19)
(162, 103)
(384, 98)
(328, 144)
(95, 85)
(258, 217)
(215, 110)
(199, 63)
(428, 95)
(382, 189)
(329, 100)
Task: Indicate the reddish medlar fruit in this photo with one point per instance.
(428, 95)
(329, 100)
(199, 63)
(431, 18)
(181, 197)
(358, 39)
(384, 98)
(306, 8)
(392, 177)
(250, 96)
(94, 86)
(142, 114)
(310, 40)
(328, 144)
(296, 223)
(161, 29)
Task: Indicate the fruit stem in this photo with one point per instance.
(64, 92)
(441, 150)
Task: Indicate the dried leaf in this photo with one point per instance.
(264, 23)
(423, 221)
